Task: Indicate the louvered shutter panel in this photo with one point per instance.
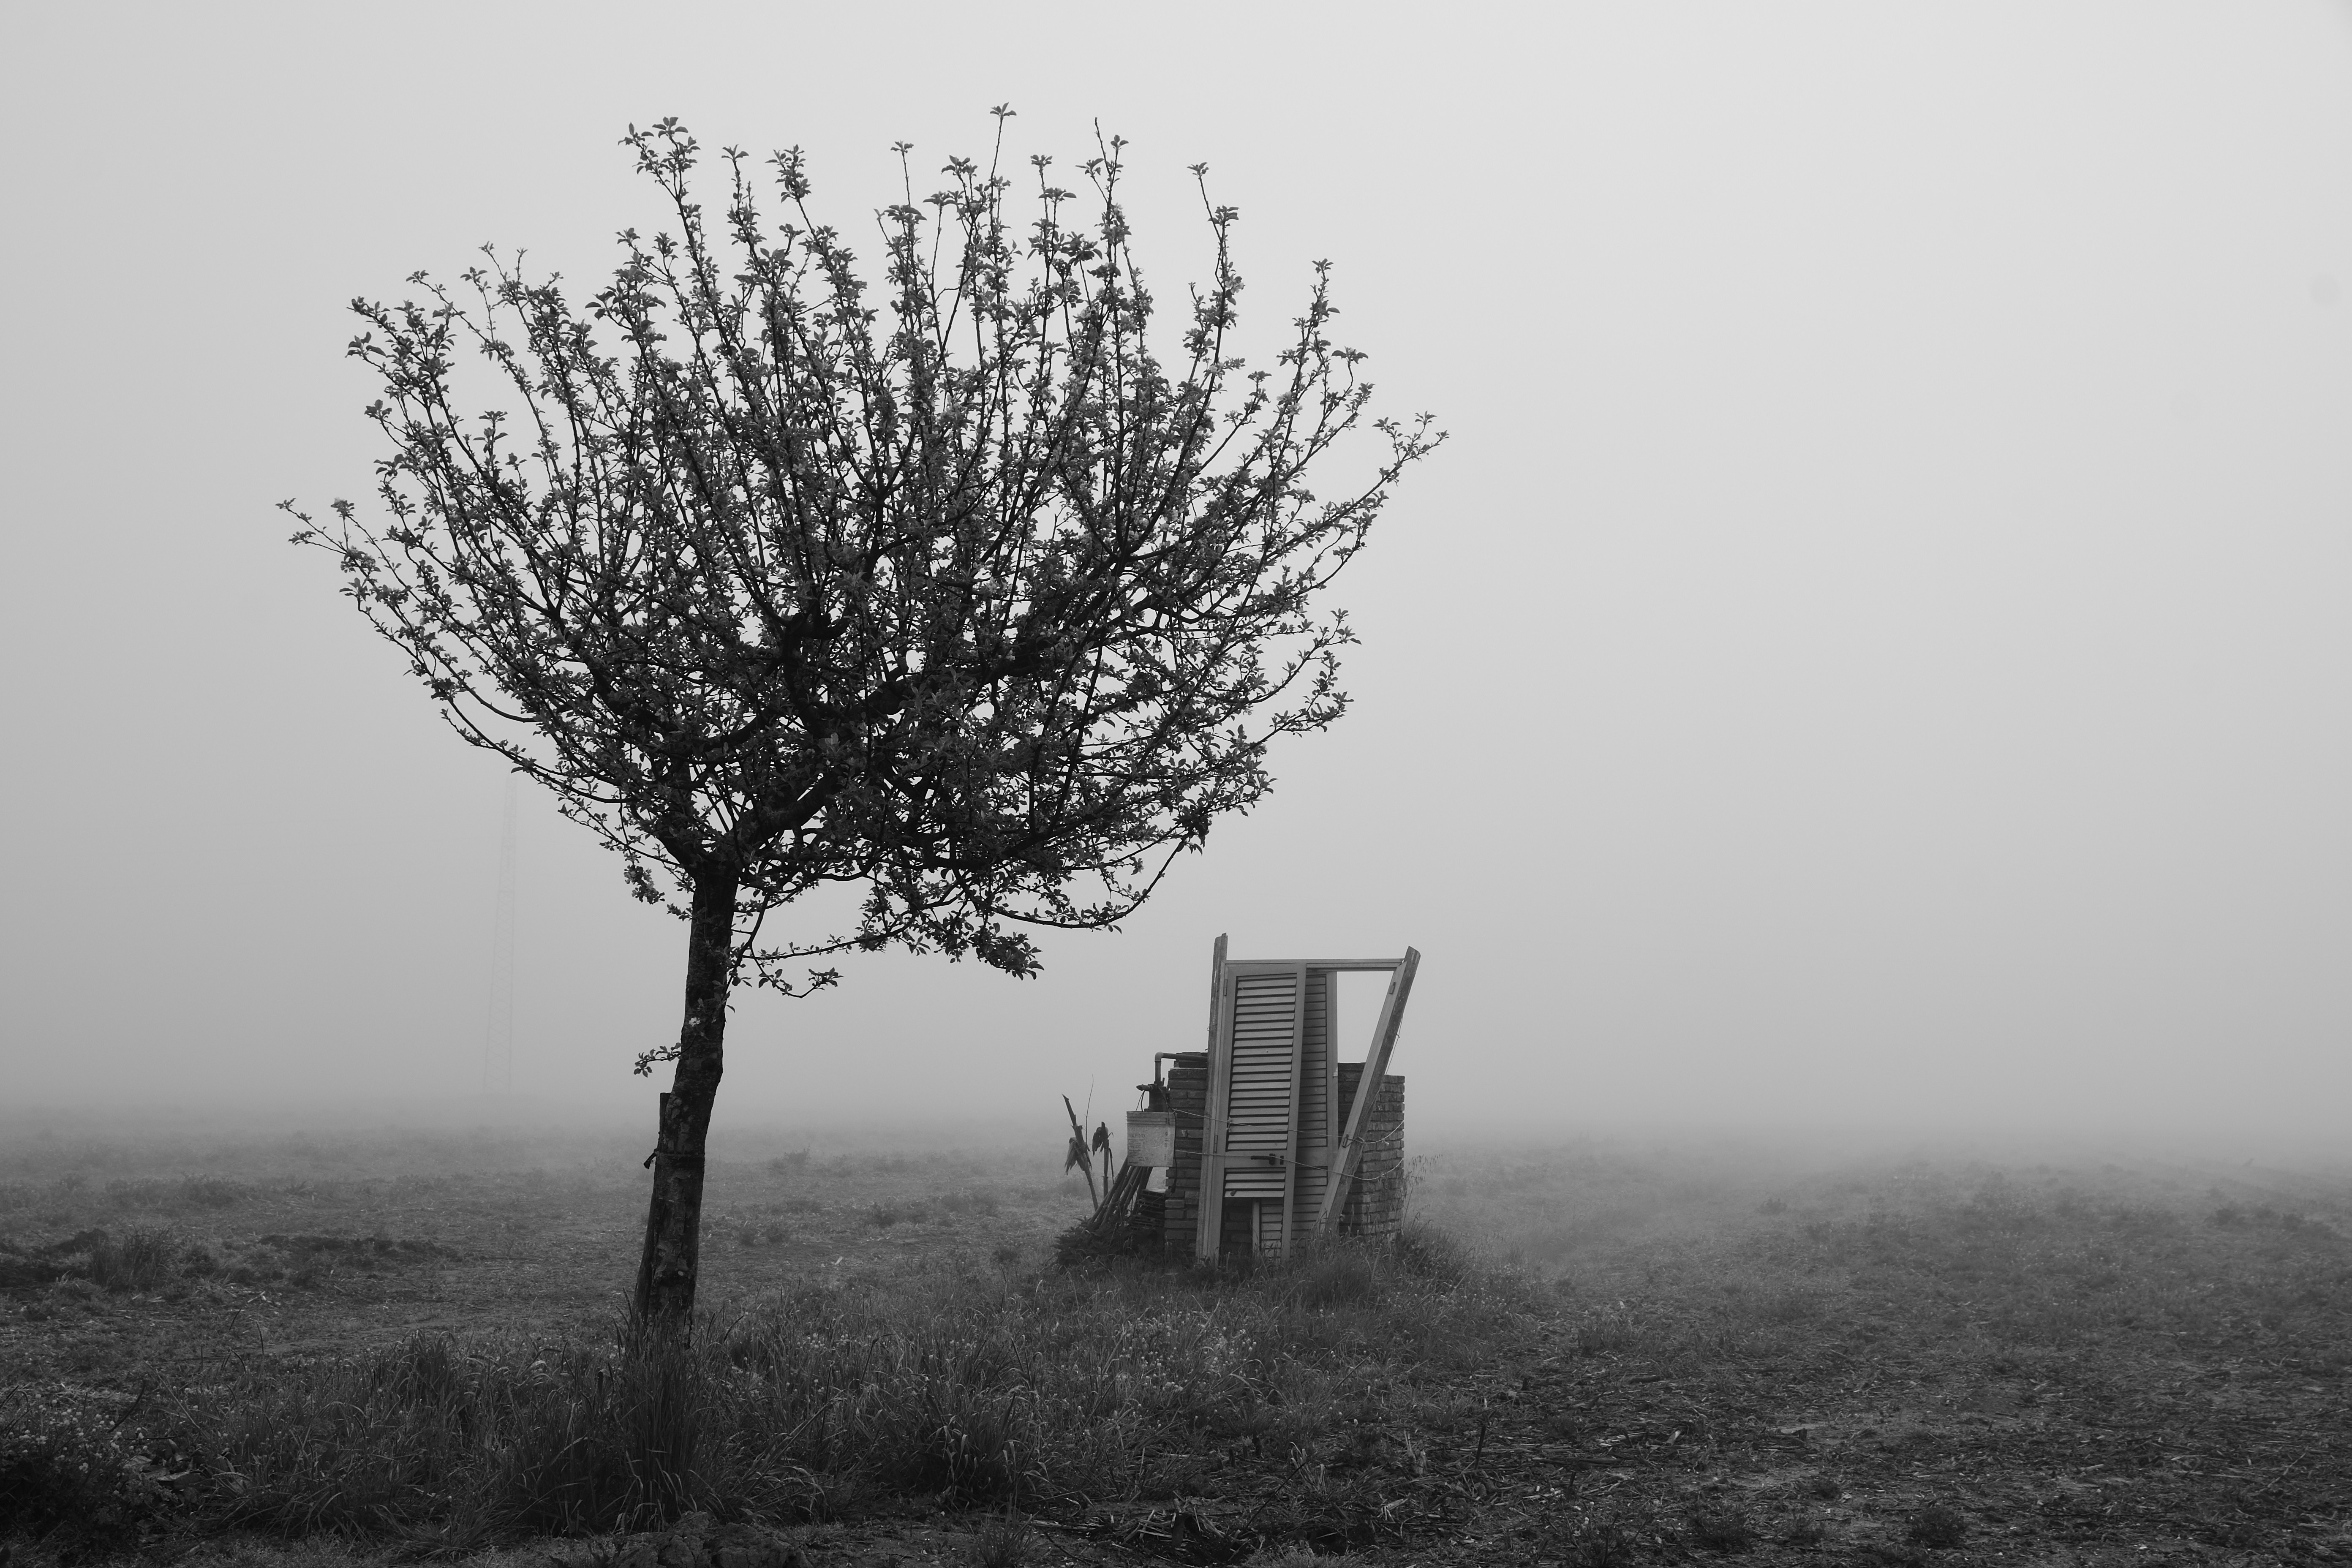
(1261, 1096)
(1251, 1149)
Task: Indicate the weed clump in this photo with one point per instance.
(67, 1466)
(1937, 1526)
(1607, 1332)
(1426, 1252)
(1722, 1530)
(1606, 1541)
(967, 1204)
(1002, 1541)
(1088, 1244)
(1342, 1274)
(141, 1258)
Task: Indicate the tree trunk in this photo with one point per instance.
(666, 1275)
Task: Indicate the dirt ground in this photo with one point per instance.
(1933, 1360)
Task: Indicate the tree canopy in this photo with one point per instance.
(959, 586)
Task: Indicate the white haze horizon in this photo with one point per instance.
(1873, 659)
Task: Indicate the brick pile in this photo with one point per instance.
(1375, 1204)
(1188, 1097)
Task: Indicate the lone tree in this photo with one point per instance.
(971, 600)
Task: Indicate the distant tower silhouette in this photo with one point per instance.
(498, 1036)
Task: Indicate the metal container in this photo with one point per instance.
(1151, 1138)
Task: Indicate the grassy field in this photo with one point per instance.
(349, 1348)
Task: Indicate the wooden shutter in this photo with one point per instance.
(1262, 1103)
(1254, 1068)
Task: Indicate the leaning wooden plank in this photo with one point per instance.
(1315, 1129)
(1208, 1231)
(1216, 986)
(1367, 1088)
(1290, 1117)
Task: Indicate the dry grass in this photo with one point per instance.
(1586, 1356)
(880, 1332)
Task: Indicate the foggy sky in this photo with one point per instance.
(1874, 649)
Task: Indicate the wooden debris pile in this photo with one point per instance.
(1265, 1140)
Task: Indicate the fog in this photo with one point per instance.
(1873, 652)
